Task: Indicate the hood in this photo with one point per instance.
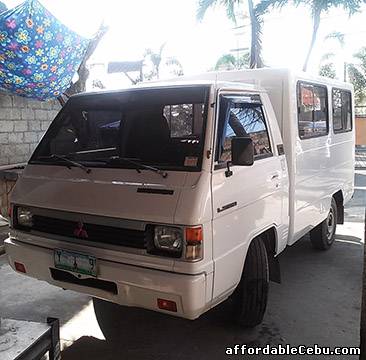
(121, 193)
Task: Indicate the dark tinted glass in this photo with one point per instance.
(164, 128)
(342, 110)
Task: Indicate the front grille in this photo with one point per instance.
(92, 232)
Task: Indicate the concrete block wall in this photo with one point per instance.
(22, 124)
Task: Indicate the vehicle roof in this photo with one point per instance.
(249, 79)
(267, 75)
(175, 84)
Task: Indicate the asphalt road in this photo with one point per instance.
(318, 302)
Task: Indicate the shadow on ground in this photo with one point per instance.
(318, 303)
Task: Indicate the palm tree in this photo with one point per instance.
(339, 37)
(255, 23)
(230, 62)
(317, 8)
(155, 58)
(176, 67)
(327, 67)
(357, 75)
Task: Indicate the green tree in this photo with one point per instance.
(357, 75)
(255, 24)
(328, 70)
(327, 67)
(317, 8)
(339, 37)
(175, 66)
(230, 62)
(156, 59)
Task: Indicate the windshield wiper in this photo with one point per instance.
(138, 165)
(67, 160)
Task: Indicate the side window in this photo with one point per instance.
(342, 110)
(242, 116)
(313, 119)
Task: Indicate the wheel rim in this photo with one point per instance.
(330, 225)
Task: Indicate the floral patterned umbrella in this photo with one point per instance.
(38, 54)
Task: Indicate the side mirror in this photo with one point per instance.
(242, 151)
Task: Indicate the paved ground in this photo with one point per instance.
(317, 303)
(360, 158)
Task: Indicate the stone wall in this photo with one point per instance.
(22, 124)
(8, 179)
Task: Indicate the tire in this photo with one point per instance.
(250, 297)
(322, 236)
(107, 315)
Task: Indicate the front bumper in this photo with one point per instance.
(136, 286)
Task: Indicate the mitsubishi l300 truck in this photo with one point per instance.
(176, 196)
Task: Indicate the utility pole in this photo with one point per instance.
(345, 71)
(363, 303)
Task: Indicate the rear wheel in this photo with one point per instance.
(250, 297)
(322, 237)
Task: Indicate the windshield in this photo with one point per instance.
(157, 127)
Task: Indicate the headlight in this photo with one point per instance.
(168, 238)
(24, 217)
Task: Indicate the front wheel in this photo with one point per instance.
(108, 318)
(250, 297)
(322, 236)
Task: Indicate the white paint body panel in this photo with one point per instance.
(317, 167)
(289, 193)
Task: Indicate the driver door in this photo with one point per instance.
(249, 199)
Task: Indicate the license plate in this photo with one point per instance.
(75, 262)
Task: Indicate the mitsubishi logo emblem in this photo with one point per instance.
(80, 231)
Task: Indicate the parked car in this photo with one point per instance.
(176, 196)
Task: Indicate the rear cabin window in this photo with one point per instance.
(313, 119)
(184, 119)
(242, 116)
(342, 110)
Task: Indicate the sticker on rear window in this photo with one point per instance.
(190, 161)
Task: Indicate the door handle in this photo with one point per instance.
(275, 176)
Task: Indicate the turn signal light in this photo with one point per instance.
(194, 248)
(19, 267)
(167, 305)
(194, 234)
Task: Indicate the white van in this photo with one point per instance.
(176, 196)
